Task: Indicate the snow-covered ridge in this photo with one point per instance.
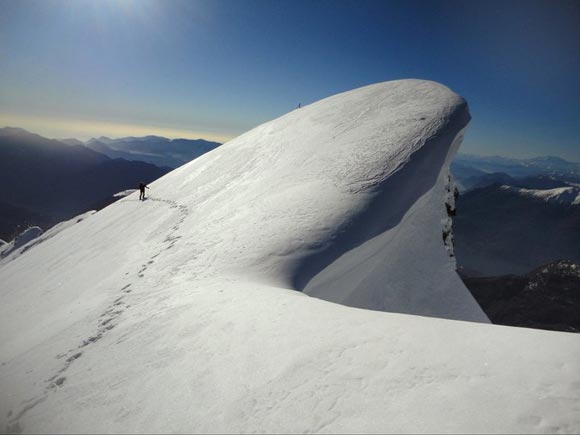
(561, 195)
(180, 313)
(343, 199)
(33, 236)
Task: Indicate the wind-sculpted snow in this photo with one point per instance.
(342, 199)
(181, 313)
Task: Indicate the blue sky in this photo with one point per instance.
(216, 68)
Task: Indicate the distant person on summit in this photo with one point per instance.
(142, 187)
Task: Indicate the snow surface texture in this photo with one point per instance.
(179, 314)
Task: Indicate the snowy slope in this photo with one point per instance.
(353, 184)
(179, 314)
(33, 236)
(561, 195)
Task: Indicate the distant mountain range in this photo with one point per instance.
(45, 181)
(566, 195)
(518, 167)
(510, 229)
(517, 238)
(473, 171)
(156, 150)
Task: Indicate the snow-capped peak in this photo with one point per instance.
(561, 195)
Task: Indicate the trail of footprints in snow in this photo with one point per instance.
(170, 239)
(118, 306)
(106, 323)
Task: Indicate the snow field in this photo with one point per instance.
(180, 313)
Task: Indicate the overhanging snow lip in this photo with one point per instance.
(346, 237)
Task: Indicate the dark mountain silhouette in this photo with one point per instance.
(14, 220)
(502, 229)
(548, 297)
(56, 180)
(157, 150)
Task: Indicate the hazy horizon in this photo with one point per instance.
(461, 152)
(85, 130)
